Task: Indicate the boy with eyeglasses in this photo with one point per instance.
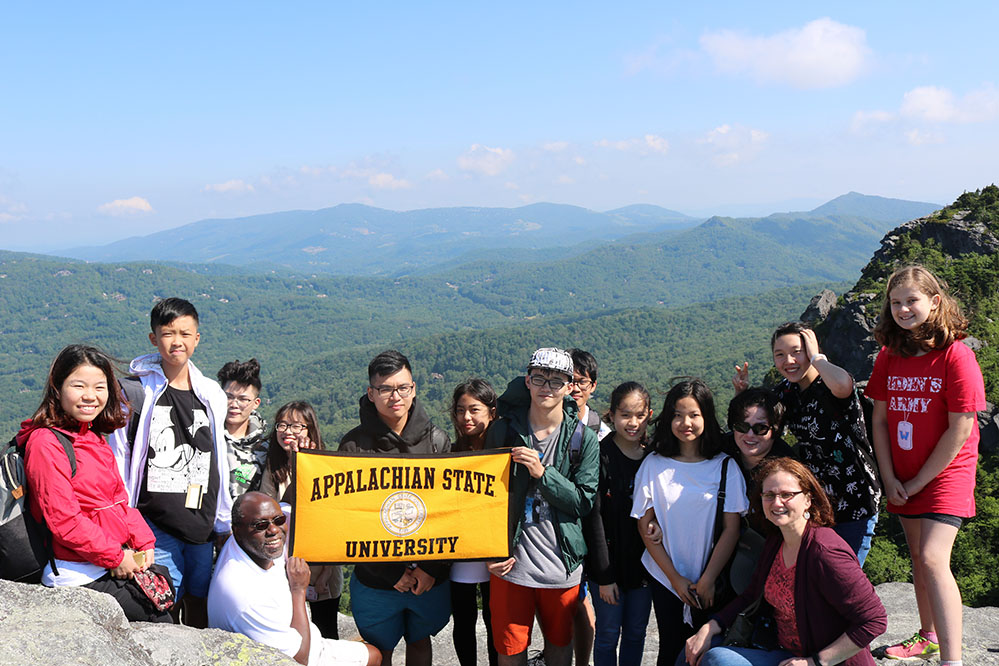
(172, 454)
(245, 429)
(399, 599)
(553, 483)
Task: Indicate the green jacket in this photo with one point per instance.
(569, 486)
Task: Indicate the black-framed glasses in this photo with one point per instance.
(757, 428)
(582, 382)
(261, 525)
(293, 428)
(554, 383)
(240, 400)
(785, 496)
(404, 390)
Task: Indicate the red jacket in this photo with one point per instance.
(832, 596)
(88, 514)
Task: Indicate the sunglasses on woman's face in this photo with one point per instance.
(261, 525)
(757, 428)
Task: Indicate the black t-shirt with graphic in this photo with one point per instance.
(181, 455)
(832, 442)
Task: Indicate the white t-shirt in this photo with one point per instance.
(255, 602)
(469, 572)
(684, 496)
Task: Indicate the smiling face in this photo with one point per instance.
(84, 393)
(790, 358)
(176, 341)
(631, 418)
(753, 447)
(295, 433)
(687, 423)
(262, 545)
(582, 388)
(786, 514)
(472, 416)
(545, 397)
(911, 307)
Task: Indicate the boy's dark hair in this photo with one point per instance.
(387, 363)
(756, 397)
(663, 439)
(584, 363)
(787, 328)
(50, 413)
(479, 389)
(246, 373)
(169, 309)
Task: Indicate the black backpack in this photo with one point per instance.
(25, 544)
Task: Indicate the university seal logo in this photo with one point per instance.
(403, 513)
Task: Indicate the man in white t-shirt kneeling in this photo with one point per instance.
(251, 594)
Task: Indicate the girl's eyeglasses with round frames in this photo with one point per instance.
(293, 428)
(784, 496)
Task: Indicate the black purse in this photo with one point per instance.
(754, 627)
(724, 591)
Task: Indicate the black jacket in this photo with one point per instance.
(373, 436)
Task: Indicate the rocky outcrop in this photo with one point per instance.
(71, 626)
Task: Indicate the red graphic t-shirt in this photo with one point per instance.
(920, 391)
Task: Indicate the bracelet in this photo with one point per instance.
(818, 357)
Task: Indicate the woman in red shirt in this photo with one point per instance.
(98, 541)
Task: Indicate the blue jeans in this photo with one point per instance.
(627, 620)
(190, 564)
(857, 535)
(737, 656)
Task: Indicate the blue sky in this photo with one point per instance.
(126, 118)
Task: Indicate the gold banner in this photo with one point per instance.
(352, 507)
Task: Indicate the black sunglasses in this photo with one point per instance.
(261, 525)
(757, 428)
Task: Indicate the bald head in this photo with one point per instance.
(258, 526)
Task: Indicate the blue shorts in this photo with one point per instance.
(190, 564)
(385, 616)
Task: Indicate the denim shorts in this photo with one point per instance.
(385, 616)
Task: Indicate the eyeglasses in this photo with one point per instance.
(582, 383)
(757, 428)
(261, 525)
(240, 400)
(293, 428)
(554, 383)
(785, 496)
(404, 390)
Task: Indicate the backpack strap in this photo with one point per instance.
(67, 446)
(720, 508)
(135, 395)
(576, 444)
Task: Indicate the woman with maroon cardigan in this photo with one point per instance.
(826, 611)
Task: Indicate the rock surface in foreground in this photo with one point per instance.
(71, 626)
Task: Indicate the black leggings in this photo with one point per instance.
(673, 632)
(130, 598)
(324, 614)
(464, 609)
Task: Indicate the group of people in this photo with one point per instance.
(611, 516)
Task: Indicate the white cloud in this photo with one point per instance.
(732, 144)
(578, 159)
(485, 160)
(124, 207)
(437, 174)
(919, 137)
(565, 180)
(650, 143)
(234, 185)
(555, 146)
(11, 210)
(386, 181)
(510, 185)
(821, 54)
(940, 105)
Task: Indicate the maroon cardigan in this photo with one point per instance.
(832, 596)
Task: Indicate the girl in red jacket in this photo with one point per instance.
(98, 541)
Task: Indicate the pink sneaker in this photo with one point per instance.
(915, 647)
